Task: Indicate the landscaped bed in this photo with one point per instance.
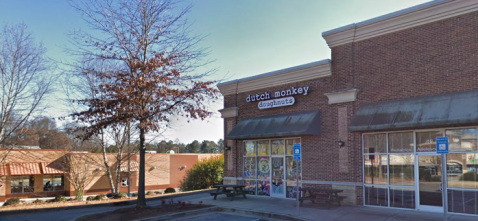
(134, 213)
(39, 204)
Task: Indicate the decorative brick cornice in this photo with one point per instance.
(399, 20)
(285, 76)
(229, 112)
(342, 96)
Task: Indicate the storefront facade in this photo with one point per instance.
(367, 118)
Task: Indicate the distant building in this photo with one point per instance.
(28, 173)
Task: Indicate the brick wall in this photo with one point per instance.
(431, 59)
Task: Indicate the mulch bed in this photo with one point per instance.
(140, 213)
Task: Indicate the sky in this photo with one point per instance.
(246, 38)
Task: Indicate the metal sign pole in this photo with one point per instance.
(444, 186)
(297, 188)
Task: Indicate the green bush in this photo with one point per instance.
(469, 176)
(436, 178)
(38, 201)
(150, 193)
(157, 192)
(119, 195)
(204, 174)
(100, 197)
(424, 175)
(135, 194)
(90, 198)
(59, 198)
(12, 201)
(170, 190)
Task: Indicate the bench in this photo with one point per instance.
(327, 196)
(230, 193)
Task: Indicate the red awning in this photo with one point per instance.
(3, 169)
(24, 169)
(134, 166)
(49, 169)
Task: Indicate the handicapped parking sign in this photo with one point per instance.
(297, 151)
(442, 145)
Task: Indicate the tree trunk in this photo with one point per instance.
(141, 202)
(78, 195)
(107, 167)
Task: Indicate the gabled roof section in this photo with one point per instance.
(407, 18)
(299, 73)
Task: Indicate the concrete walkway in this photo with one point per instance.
(265, 205)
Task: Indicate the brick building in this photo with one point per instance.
(39, 173)
(367, 119)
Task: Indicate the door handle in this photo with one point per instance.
(441, 187)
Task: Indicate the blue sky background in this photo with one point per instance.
(247, 37)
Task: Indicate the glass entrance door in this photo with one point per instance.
(429, 183)
(277, 178)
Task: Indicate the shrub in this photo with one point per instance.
(135, 194)
(12, 201)
(204, 174)
(90, 198)
(150, 193)
(119, 195)
(100, 197)
(38, 201)
(157, 192)
(59, 198)
(170, 190)
(470, 176)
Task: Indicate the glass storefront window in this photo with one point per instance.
(402, 197)
(263, 168)
(263, 148)
(402, 169)
(400, 142)
(250, 148)
(461, 140)
(426, 141)
(374, 143)
(291, 168)
(278, 147)
(463, 201)
(260, 175)
(53, 183)
(376, 195)
(249, 167)
(375, 169)
(22, 184)
(290, 145)
(462, 170)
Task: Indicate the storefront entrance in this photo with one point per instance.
(277, 178)
(429, 183)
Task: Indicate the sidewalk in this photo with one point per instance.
(264, 205)
(317, 212)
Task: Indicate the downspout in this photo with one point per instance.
(237, 172)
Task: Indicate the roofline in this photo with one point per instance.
(280, 71)
(386, 16)
(293, 74)
(400, 20)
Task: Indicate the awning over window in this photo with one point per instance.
(294, 124)
(439, 110)
(48, 168)
(24, 169)
(3, 169)
(134, 166)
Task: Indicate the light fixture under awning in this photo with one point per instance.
(293, 124)
(439, 110)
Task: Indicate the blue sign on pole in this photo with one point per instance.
(297, 152)
(442, 145)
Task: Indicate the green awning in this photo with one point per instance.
(453, 109)
(284, 125)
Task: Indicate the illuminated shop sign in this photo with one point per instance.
(281, 98)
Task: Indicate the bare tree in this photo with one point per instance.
(23, 78)
(153, 56)
(80, 171)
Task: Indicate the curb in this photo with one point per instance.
(222, 209)
(123, 203)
